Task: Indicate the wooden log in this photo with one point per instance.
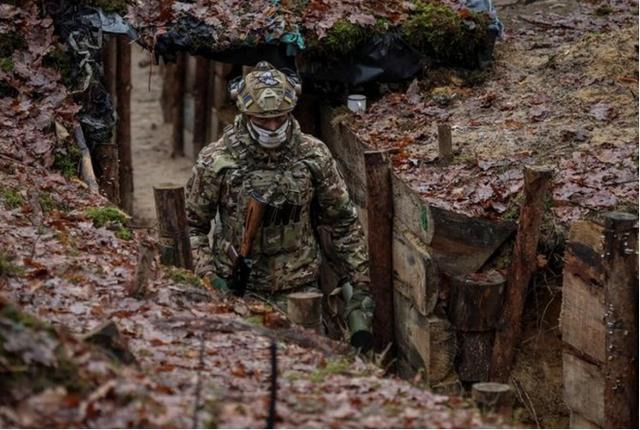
(177, 107)
(175, 248)
(379, 215)
(445, 150)
(305, 309)
(415, 274)
(86, 167)
(123, 130)
(424, 344)
(536, 184)
(463, 244)
(493, 397)
(474, 355)
(475, 300)
(200, 113)
(168, 73)
(621, 320)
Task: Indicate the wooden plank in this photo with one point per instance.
(426, 343)
(379, 238)
(621, 320)
(589, 234)
(583, 388)
(415, 273)
(577, 421)
(582, 315)
(462, 244)
(410, 211)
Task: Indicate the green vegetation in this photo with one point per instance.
(67, 160)
(332, 367)
(6, 64)
(9, 42)
(8, 268)
(61, 60)
(184, 276)
(111, 218)
(439, 31)
(343, 38)
(48, 203)
(12, 199)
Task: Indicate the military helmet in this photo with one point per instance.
(266, 91)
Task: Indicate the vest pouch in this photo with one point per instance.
(291, 237)
(271, 242)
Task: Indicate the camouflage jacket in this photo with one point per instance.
(300, 181)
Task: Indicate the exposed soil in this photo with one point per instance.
(151, 139)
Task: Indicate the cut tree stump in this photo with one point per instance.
(536, 183)
(175, 248)
(123, 127)
(305, 309)
(493, 397)
(379, 216)
(475, 300)
(146, 254)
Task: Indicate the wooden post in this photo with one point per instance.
(305, 309)
(445, 149)
(177, 107)
(175, 249)
(621, 320)
(475, 301)
(380, 237)
(109, 61)
(523, 264)
(123, 129)
(86, 168)
(493, 397)
(200, 114)
(138, 288)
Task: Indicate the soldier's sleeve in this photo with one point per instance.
(337, 212)
(202, 194)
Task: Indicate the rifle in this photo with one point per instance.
(241, 260)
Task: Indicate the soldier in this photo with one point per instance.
(264, 153)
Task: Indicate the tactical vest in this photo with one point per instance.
(285, 252)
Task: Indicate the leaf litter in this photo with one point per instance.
(562, 92)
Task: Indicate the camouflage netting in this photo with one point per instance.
(319, 30)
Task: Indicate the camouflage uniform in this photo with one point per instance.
(297, 179)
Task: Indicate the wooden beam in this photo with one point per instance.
(175, 248)
(445, 149)
(380, 237)
(621, 320)
(123, 129)
(177, 107)
(201, 113)
(536, 183)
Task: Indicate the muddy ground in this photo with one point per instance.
(151, 139)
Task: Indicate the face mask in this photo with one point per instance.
(267, 138)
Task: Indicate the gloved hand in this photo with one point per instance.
(358, 314)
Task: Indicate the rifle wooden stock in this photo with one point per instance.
(252, 221)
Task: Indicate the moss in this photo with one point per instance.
(48, 203)
(102, 217)
(6, 64)
(62, 61)
(342, 38)
(12, 199)
(183, 276)
(10, 42)
(332, 367)
(255, 320)
(437, 30)
(67, 160)
(124, 233)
